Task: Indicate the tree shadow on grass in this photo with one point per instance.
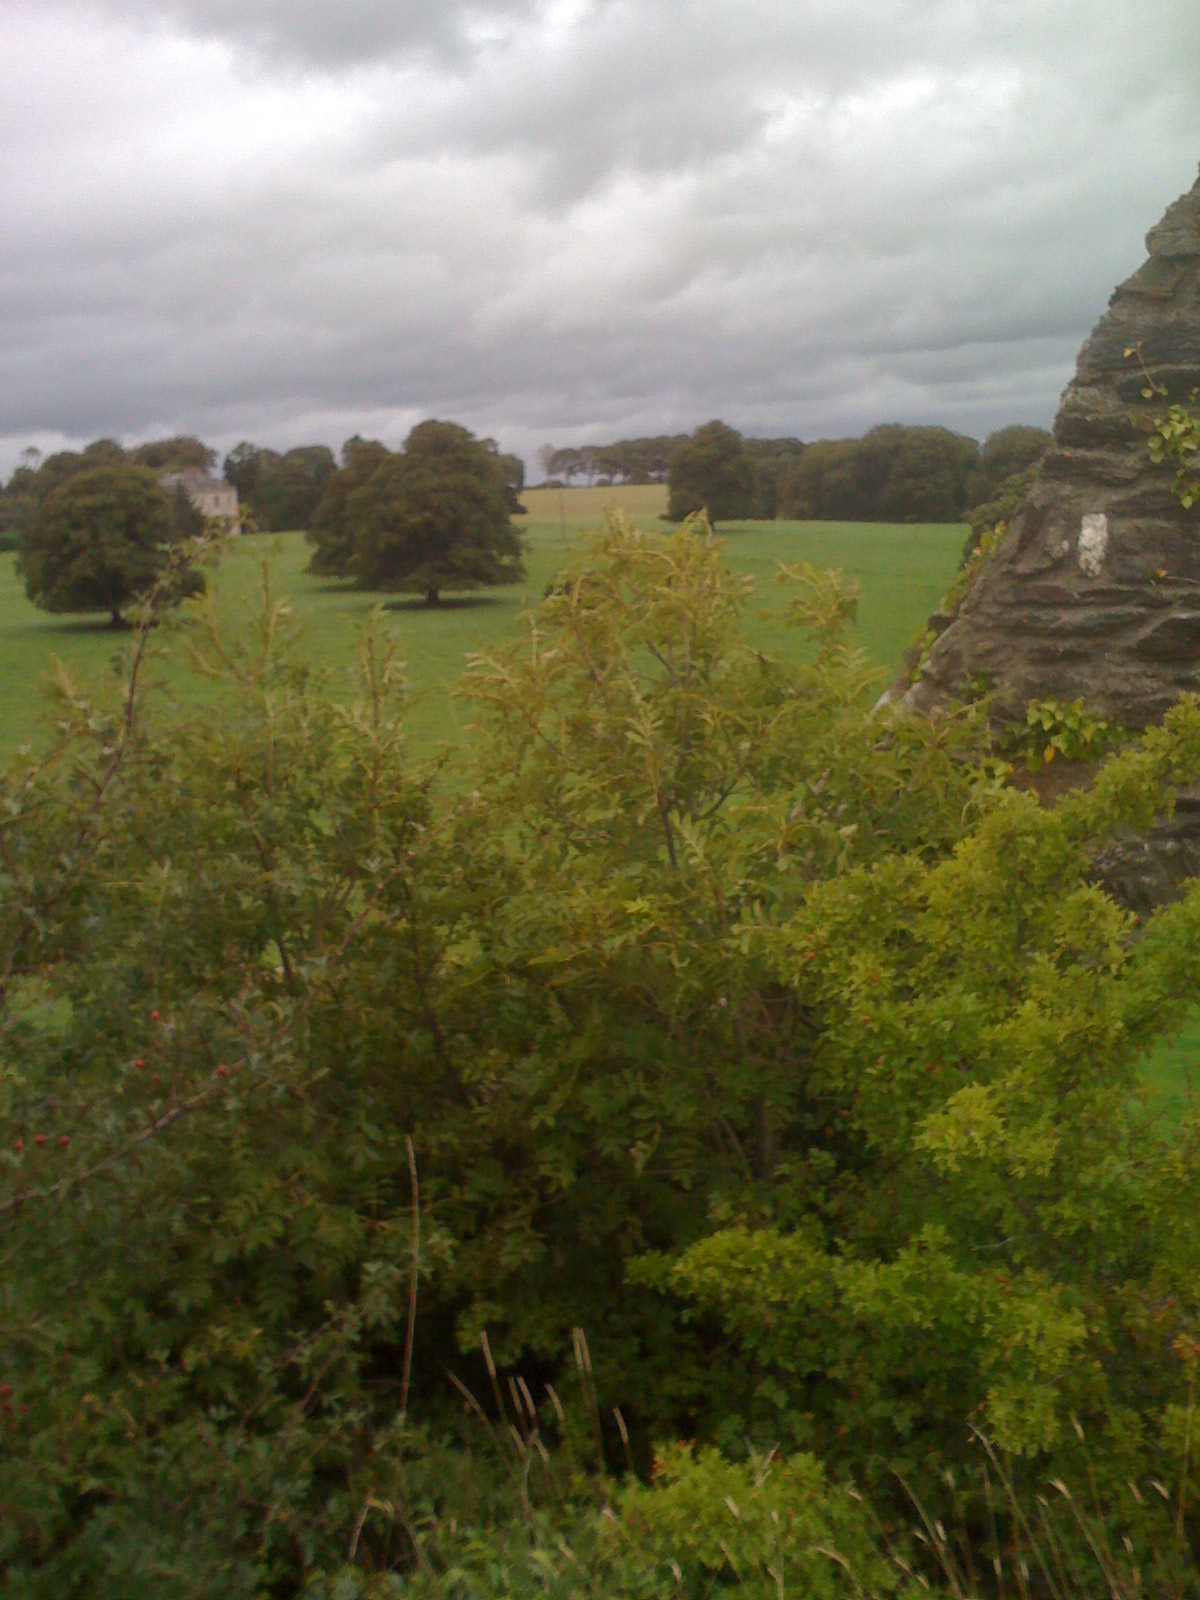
(453, 602)
(88, 626)
(330, 585)
(405, 602)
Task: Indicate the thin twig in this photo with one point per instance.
(416, 1264)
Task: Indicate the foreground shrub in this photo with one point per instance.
(786, 1050)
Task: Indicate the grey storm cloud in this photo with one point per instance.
(310, 33)
(552, 219)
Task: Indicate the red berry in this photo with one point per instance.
(64, 1141)
(20, 1144)
(39, 1138)
(221, 1071)
(154, 1017)
(139, 1063)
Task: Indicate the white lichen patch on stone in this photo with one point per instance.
(1093, 544)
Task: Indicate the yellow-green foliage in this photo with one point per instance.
(1174, 434)
(784, 1049)
(1062, 728)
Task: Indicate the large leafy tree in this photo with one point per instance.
(1003, 454)
(245, 466)
(281, 491)
(37, 476)
(891, 474)
(436, 516)
(102, 538)
(332, 531)
(175, 454)
(290, 489)
(710, 472)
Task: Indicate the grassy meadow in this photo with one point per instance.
(903, 571)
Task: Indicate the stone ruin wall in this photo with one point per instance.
(1094, 592)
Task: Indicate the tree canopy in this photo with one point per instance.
(1002, 456)
(102, 538)
(175, 454)
(38, 476)
(711, 472)
(282, 492)
(433, 516)
(343, 505)
(893, 473)
(638, 460)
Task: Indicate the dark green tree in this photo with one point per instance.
(18, 502)
(38, 476)
(434, 517)
(101, 539)
(770, 459)
(244, 467)
(894, 473)
(710, 472)
(1002, 455)
(513, 469)
(175, 454)
(342, 503)
(802, 488)
(290, 487)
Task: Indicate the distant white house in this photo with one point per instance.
(212, 497)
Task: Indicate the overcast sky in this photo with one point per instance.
(570, 220)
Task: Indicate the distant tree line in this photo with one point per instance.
(38, 476)
(97, 528)
(894, 473)
(627, 461)
(908, 474)
(649, 460)
(281, 491)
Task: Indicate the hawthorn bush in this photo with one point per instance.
(786, 1050)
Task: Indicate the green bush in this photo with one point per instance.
(752, 1034)
(1060, 728)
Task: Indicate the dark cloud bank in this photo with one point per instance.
(296, 220)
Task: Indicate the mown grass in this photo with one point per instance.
(903, 572)
(1171, 1074)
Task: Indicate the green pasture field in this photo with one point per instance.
(1171, 1075)
(641, 502)
(903, 572)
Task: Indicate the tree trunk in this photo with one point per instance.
(116, 620)
(432, 598)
